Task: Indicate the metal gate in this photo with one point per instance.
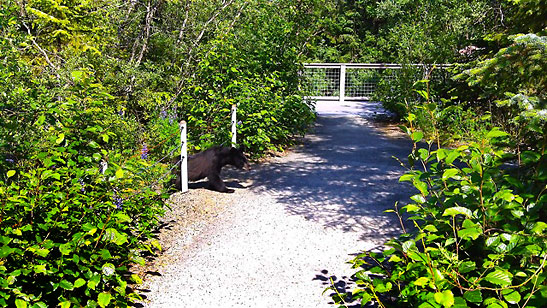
(347, 81)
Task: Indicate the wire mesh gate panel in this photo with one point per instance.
(347, 81)
(321, 82)
(339, 81)
(361, 82)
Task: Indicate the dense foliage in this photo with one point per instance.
(478, 233)
(91, 95)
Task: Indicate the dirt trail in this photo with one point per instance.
(292, 223)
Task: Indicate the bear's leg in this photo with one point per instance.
(217, 184)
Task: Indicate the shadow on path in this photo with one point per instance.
(343, 177)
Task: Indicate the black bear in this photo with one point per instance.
(208, 164)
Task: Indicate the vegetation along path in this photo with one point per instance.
(292, 223)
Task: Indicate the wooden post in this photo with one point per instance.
(183, 158)
(234, 125)
(342, 82)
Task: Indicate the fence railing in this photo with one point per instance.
(184, 147)
(183, 161)
(347, 81)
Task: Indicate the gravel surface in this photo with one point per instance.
(291, 224)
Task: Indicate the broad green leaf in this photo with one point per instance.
(412, 208)
(408, 245)
(511, 296)
(65, 249)
(529, 157)
(104, 299)
(5, 251)
(20, 303)
(470, 230)
(67, 285)
(11, 173)
(417, 136)
(79, 282)
(428, 305)
(422, 281)
(42, 252)
(411, 117)
(93, 281)
(446, 298)
(39, 268)
(40, 120)
(60, 138)
(105, 137)
(452, 156)
(121, 217)
(366, 297)
(77, 75)
(496, 132)
(459, 302)
(383, 287)
(473, 296)
(539, 227)
(114, 236)
(441, 154)
(119, 173)
(418, 198)
(499, 277)
(422, 93)
(136, 278)
(424, 153)
(105, 254)
(417, 256)
(40, 305)
(457, 210)
(466, 267)
(421, 186)
(495, 303)
(65, 304)
(406, 177)
(450, 173)
(438, 275)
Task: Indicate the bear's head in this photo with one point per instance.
(238, 159)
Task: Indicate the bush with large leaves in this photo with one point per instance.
(479, 235)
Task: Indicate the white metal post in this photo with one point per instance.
(342, 82)
(183, 158)
(234, 125)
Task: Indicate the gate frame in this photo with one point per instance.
(342, 81)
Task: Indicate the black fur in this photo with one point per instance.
(208, 164)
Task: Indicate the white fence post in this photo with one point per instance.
(183, 158)
(342, 82)
(234, 125)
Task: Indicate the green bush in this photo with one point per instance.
(270, 111)
(69, 228)
(479, 236)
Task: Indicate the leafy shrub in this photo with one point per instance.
(479, 236)
(90, 84)
(270, 113)
(514, 81)
(400, 88)
(479, 217)
(71, 228)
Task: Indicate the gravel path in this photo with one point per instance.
(292, 223)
